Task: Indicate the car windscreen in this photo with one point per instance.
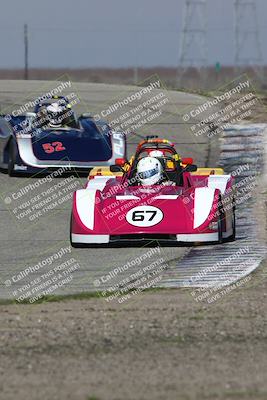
(95, 130)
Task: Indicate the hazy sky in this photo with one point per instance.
(112, 33)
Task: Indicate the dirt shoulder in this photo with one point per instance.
(163, 344)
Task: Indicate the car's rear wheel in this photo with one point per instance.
(232, 237)
(70, 231)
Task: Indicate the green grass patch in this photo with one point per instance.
(75, 296)
(54, 298)
(93, 398)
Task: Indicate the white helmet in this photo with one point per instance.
(55, 114)
(149, 171)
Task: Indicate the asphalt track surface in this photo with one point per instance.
(25, 243)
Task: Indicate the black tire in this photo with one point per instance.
(220, 229)
(220, 222)
(71, 243)
(234, 225)
(232, 237)
(74, 245)
(11, 159)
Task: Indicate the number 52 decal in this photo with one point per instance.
(144, 216)
(54, 146)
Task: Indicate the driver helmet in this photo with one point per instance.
(55, 114)
(149, 171)
(156, 153)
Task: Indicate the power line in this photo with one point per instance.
(26, 52)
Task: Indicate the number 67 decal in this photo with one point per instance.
(144, 216)
(140, 215)
(54, 146)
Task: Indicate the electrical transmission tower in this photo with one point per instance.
(193, 50)
(247, 41)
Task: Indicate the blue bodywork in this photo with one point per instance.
(80, 145)
(91, 142)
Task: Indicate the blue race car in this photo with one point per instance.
(53, 137)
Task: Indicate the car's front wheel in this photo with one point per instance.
(11, 159)
(74, 245)
(220, 222)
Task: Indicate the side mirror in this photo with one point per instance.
(188, 161)
(116, 168)
(86, 115)
(191, 168)
(120, 161)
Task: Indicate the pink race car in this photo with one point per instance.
(187, 204)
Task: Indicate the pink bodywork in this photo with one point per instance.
(177, 204)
